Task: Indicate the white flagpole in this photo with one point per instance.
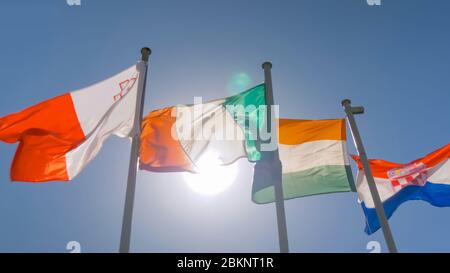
(278, 186)
(350, 111)
(134, 154)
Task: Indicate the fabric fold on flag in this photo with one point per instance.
(60, 136)
(426, 179)
(175, 138)
(314, 160)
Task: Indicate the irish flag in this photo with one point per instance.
(175, 138)
(313, 152)
(60, 136)
(314, 160)
(426, 178)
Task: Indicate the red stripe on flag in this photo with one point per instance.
(46, 132)
(381, 167)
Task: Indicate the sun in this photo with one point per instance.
(212, 178)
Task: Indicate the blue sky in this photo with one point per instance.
(393, 59)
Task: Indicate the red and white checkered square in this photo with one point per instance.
(418, 179)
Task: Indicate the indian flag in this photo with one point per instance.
(314, 160)
(175, 138)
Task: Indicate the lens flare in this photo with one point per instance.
(238, 83)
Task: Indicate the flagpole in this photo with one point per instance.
(351, 111)
(127, 219)
(279, 197)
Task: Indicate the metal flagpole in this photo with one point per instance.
(279, 198)
(134, 154)
(350, 111)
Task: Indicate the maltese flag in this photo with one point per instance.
(60, 136)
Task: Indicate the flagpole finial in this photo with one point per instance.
(267, 64)
(355, 110)
(346, 102)
(145, 53)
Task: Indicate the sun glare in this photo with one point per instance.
(212, 177)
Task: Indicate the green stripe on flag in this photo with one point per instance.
(317, 180)
(254, 97)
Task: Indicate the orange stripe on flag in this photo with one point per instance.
(46, 132)
(380, 167)
(159, 151)
(297, 131)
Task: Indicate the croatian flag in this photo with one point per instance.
(427, 179)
